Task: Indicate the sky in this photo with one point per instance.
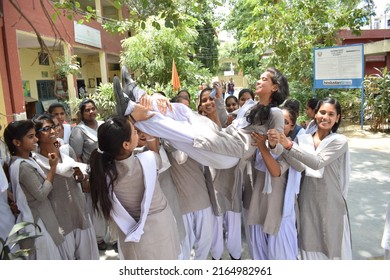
(380, 4)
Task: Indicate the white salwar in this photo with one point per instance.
(228, 225)
(284, 244)
(198, 226)
(248, 229)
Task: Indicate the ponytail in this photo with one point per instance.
(103, 171)
(102, 175)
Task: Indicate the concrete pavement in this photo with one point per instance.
(369, 192)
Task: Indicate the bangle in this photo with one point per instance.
(132, 118)
(151, 140)
(290, 144)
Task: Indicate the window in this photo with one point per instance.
(43, 58)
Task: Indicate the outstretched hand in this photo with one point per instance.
(163, 103)
(279, 137)
(141, 113)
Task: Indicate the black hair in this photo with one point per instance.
(184, 91)
(259, 113)
(293, 115)
(246, 90)
(178, 99)
(161, 92)
(337, 106)
(55, 105)
(103, 172)
(83, 104)
(38, 120)
(293, 104)
(231, 97)
(312, 103)
(202, 92)
(16, 130)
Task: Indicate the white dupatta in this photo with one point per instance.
(64, 168)
(18, 194)
(306, 143)
(261, 166)
(128, 225)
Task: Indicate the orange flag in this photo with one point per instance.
(175, 77)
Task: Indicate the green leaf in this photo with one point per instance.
(156, 25)
(22, 225)
(117, 4)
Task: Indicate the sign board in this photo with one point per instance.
(339, 67)
(87, 35)
(228, 73)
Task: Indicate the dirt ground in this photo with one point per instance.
(359, 137)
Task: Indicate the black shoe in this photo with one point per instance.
(115, 246)
(234, 258)
(102, 246)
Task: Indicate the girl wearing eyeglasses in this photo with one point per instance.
(67, 200)
(31, 187)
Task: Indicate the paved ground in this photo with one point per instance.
(369, 193)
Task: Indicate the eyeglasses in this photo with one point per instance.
(48, 128)
(93, 109)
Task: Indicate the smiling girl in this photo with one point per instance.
(323, 214)
(67, 199)
(31, 188)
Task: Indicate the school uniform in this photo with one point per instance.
(69, 206)
(31, 190)
(159, 239)
(324, 229)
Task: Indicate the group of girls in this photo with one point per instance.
(226, 168)
(45, 181)
(276, 192)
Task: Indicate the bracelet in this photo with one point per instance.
(151, 139)
(132, 118)
(290, 144)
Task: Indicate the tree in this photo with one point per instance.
(150, 52)
(206, 44)
(283, 34)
